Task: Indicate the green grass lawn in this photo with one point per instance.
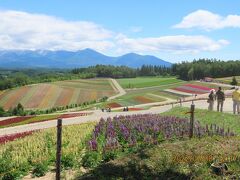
(210, 117)
(142, 82)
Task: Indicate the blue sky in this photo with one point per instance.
(172, 30)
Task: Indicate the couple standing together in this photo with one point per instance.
(220, 96)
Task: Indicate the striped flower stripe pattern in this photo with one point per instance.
(193, 89)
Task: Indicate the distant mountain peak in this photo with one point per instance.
(68, 59)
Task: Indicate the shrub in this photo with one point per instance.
(40, 169)
(110, 155)
(12, 175)
(91, 159)
(234, 81)
(68, 161)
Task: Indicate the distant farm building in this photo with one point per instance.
(208, 79)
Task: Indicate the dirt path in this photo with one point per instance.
(119, 88)
(78, 120)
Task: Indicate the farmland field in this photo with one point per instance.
(150, 90)
(61, 93)
(142, 82)
(162, 92)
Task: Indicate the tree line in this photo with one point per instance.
(201, 68)
(197, 69)
(124, 71)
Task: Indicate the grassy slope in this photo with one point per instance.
(189, 159)
(205, 117)
(141, 82)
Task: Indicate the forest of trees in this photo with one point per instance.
(201, 68)
(107, 71)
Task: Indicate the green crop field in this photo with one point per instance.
(61, 93)
(142, 82)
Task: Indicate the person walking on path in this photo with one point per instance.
(211, 99)
(220, 99)
(236, 101)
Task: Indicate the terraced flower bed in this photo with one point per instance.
(61, 93)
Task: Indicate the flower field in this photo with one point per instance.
(129, 131)
(19, 157)
(92, 144)
(62, 93)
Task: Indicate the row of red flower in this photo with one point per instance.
(24, 118)
(12, 137)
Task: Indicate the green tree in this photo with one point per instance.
(18, 110)
(234, 81)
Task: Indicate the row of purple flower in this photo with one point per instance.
(128, 131)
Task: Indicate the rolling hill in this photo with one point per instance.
(68, 59)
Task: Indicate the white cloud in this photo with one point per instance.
(21, 30)
(177, 44)
(208, 21)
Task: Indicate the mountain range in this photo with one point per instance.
(68, 59)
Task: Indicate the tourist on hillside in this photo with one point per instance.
(236, 101)
(220, 99)
(211, 98)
